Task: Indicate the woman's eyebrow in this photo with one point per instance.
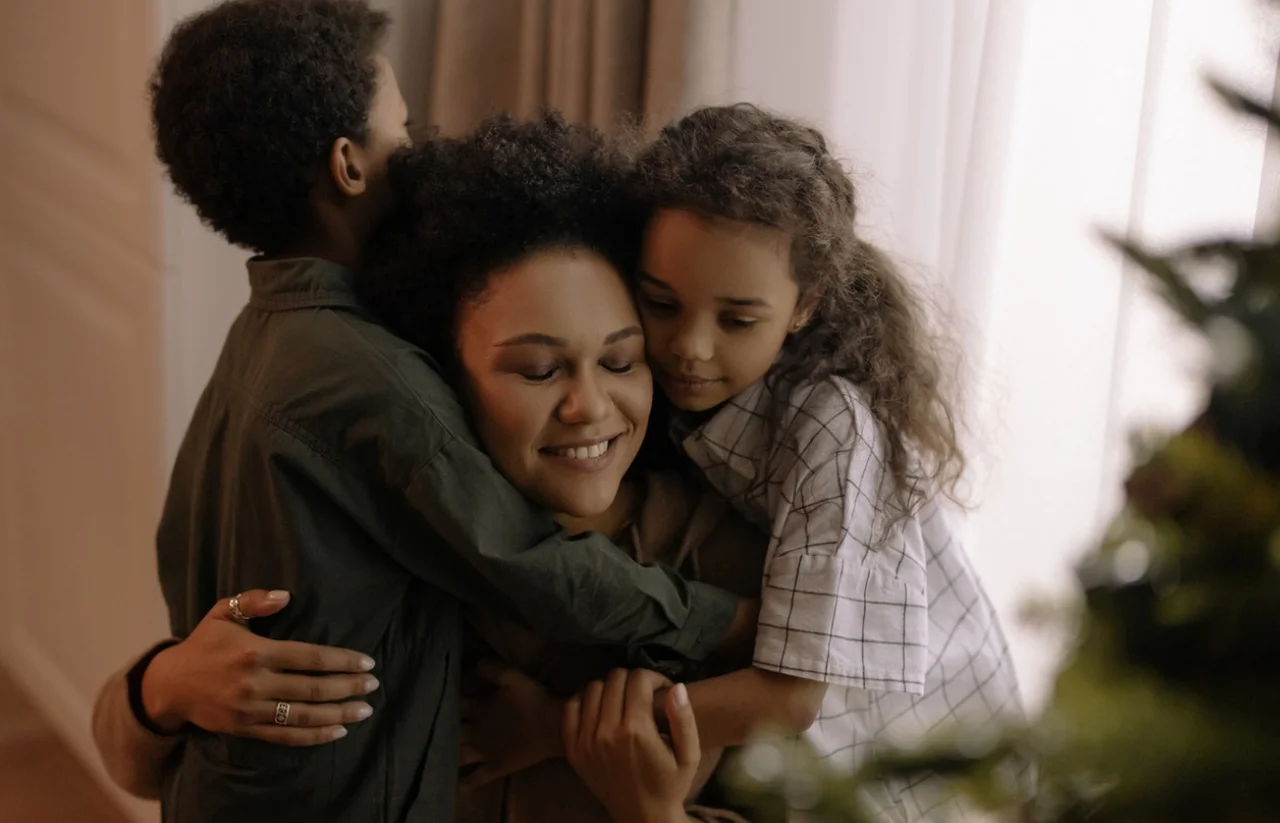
(539, 339)
(623, 334)
(534, 339)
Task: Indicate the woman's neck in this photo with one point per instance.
(610, 521)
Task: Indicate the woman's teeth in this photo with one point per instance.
(583, 452)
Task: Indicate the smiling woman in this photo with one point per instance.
(516, 289)
(553, 354)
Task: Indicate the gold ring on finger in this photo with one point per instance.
(236, 614)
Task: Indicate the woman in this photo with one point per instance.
(504, 261)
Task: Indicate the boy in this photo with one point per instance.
(328, 458)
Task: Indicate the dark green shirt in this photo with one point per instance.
(328, 458)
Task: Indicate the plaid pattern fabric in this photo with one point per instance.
(894, 619)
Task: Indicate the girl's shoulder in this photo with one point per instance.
(826, 415)
(768, 428)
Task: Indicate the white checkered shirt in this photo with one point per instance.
(899, 627)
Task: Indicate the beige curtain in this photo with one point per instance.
(604, 62)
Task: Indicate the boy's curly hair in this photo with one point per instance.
(247, 100)
(468, 207)
(741, 163)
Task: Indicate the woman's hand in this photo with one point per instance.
(514, 726)
(612, 741)
(225, 679)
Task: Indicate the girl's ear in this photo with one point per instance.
(804, 312)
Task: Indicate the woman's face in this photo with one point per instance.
(554, 360)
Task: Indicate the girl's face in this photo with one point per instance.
(718, 299)
(554, 360)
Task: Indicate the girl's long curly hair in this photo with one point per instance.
(868, 325)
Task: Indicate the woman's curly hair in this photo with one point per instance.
(741, 163)
(247, 100)
(469, 207)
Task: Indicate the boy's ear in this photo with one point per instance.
(346, 167)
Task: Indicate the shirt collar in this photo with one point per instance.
(737, 436)
(300, 283)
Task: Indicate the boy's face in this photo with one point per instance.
(388, 132)
(388, 119)
(359, 170)
(717, 299)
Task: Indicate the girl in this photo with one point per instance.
(809, 394)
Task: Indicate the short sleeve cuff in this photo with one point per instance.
(822, 618)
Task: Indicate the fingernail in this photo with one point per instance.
(682, 695)
(370, 684)
(367, 664)
(364, 712)
(277, 596)
(339, 733)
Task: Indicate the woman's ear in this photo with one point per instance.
(346, 168)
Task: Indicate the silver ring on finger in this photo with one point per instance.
(282, 714)
(236, 614)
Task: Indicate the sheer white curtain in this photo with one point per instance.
(991, 138)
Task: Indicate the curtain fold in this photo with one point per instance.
(603, 62)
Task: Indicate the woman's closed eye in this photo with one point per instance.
(618, 366)
(539, 374)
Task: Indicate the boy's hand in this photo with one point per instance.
(612, 742)
(511, 728)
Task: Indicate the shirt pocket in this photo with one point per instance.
(251, 777)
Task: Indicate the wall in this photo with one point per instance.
(80, 371)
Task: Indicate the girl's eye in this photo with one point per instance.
(616, 367)
(659, 306)
(739, 323)
(539, 375)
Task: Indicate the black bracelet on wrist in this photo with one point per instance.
(134, 681)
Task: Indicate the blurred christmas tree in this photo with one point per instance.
(1168, 706)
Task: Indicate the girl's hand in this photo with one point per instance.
(227, 680)
(509, 729)
(612, 741)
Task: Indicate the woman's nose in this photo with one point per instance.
(586, 402)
